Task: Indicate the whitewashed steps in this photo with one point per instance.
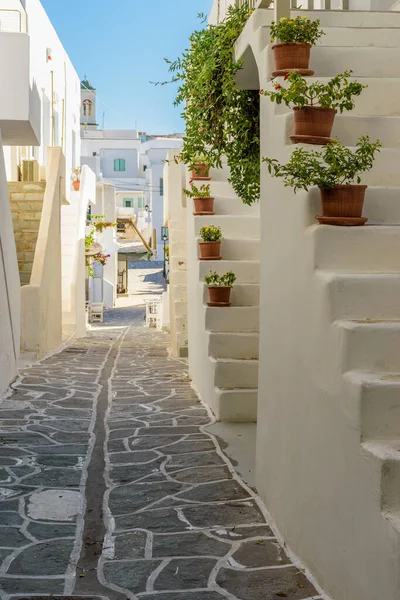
(370, 346)
(246, 271)
(243, 294)
(233, 345)
(230, 373)
(356, 249)
(372, 296)
(237, 406)
(239, 227)
(232, 319)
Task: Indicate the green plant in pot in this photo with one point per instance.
(334, 169)
(315, 104)
(203, 203)
(200, 168)
(210, 247)
(219, 288)
(76, 178)
(295, 38)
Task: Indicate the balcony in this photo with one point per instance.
(123, 211)
(20, 104)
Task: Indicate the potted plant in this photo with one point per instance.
(200, 169)
(315, 104)
(219, 288)
(76, 178)
(334, 170)
(210, 247)
(203, 203)
(295, 40)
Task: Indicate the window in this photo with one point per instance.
(119, 164)
(87, 108)
(128, 202)
(140, 202)
(161, 186)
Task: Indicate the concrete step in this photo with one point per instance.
(237, 406)
(232, 373)
(372, 346)
(233, 345)
(365, 62)
(180, 308)
(179, 292)
(378, 398)
(246, 271)
(234, 318)
(220, 174)
(372, 296)
(361, 37)
(233, 226)
(178, 277)
(349, 127)
(386, 458)
(366, 249)
(243, 294)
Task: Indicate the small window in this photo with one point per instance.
(87, 108)
(140, 202)
(161, 186)
(119, 164)
(128, 202)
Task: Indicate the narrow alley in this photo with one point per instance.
(112, 486)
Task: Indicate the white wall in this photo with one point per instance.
(108, 156)
(10, 290)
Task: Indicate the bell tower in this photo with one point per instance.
(88, 105)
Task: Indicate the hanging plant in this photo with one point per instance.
(221, 120)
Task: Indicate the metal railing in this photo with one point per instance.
(282, 7)
(13, 21)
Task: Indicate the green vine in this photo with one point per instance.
(221, 120)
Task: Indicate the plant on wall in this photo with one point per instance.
(92, 257)
(221, 120)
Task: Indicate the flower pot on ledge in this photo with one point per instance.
(343, 205)
(210, 250)
(313, 125)
(219, 296)
(203, 206)
(201, 172)
(292, 56)
(76, 185)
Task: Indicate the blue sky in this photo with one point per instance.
(120, 46)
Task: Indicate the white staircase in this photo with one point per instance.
(224, 341)
(329, 420)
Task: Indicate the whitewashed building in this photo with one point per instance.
(42, 278)
(132, 162)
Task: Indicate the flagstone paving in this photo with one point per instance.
(111, 486)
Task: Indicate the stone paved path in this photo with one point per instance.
(111, 486)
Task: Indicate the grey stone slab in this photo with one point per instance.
(267, 584)
(119, 458)
(232, 513)
(133, 472)
(169, 431)
(58, 461)
(74, 449)
(198, 459)
(128, 498)
(189, 446)
(185, 574)
(201, 475)
(188, 544)
(216, 492)
(161, 521)
(186, 595)
(149, 442)
(261, 553)
(72, 438)
(47, 531)
(238, 532)
(9, 505)
(130, 575)
(24, 439)
(10, 519)
(130, 546)
(55, 478)
(31, 586)
(45, 558)
(11, 537)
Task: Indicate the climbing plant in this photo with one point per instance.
(221, 120)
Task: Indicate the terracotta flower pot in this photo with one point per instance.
(219, 296)
(292, 56)
(210, 250)
(343, 205)
(76, 185)
(201, 172)
(203, 206)
(313, 125)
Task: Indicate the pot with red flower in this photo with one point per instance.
(336, 170)
(315, 104)
(210, 246)
(220, 288)
(200, 169)
(294, 39)
(203, 202)
(76, 178)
